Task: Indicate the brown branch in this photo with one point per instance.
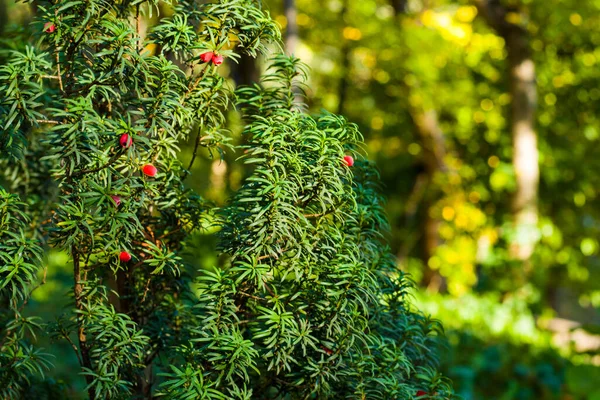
(146, 290)
(86, 361)
(201, 76)
(43, 282)
(73, 346)
(60, 83)
(47, 121)
(268, 288)
(251, 296)
(137, 26)
(89, 171)
(319, 214)
(199, 139)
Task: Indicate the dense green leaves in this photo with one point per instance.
(308, 303)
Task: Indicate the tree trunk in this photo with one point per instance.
(344, 65)
(246, 71)
(525, 150)
(3, 15)
(434, 148)
(291, 31)
(399, 6)
(431, 136)
(523, 91)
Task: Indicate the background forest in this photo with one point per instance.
(482, 117)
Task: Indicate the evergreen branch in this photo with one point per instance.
(114, 158)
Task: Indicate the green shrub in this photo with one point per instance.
(309, 303)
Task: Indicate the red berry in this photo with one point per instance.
(421, 393)
(125, 140)
(125, 256)
(349, 161)
(117, 200)
(217, 59)
(327, 350)
(206, 57)
(49, 27)
(149, 170)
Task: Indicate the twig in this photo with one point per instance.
(47, 121)
(196, 82)
(146, 290)
(43, 282)
(199, 139)
(66, 336)
(88, 171)
(60, 83)
(319, 214)
(251, 296)
(137, 26)
(86, 361)
(268, 288)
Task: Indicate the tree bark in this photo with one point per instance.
(344, 65)
(400, 6)
(246, 71)
(3, 15)
(434, 148)
(523, 91)
(426, 122)
(291, 31)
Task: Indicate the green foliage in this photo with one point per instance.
(441, 62)
(308, 303)
(20, 258)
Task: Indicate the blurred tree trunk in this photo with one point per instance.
(291, 31)
(400, 6)
(345, 62)
(524, 103)
(431, 135)
(3, 15)
(434, 149)
(245, 72)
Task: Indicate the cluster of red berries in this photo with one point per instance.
(126, 141)
(209, 56)
(150, 170)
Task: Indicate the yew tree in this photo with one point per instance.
(93, 112)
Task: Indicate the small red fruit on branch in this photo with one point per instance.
(349, 161)
(217, 59)
(207, 57)
(149, 170)
(327, 350)
(49, 27)
(125, 140)
(117, 200)
(421, 393)
(124, 256)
